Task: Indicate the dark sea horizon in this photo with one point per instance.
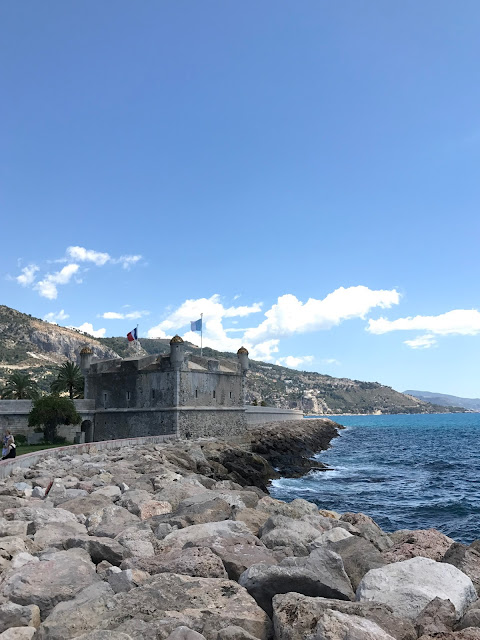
(405, 471)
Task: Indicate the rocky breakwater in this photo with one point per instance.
(172, 541)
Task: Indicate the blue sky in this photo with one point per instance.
(305, 174)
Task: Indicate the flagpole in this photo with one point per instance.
(201, 335)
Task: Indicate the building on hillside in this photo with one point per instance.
(178, 393)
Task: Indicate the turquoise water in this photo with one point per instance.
(405, 471)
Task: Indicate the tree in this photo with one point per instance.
(263, 403)
(69, 378)
(20, 386)
(49, 412)
(255, 402)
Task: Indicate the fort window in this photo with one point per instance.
(214, 394)
(153, 394)
(196, 393)
(128, 398)
(104, 400)
(230, 394)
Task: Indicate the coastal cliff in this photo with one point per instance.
(177, 541)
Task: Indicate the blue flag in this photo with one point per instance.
(196, 325)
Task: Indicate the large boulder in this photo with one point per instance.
(369, 529)
(138, 539)
(55, 535)
(428, 543)
(437, 617)
(295, 616)
(295, 509)
(39, 517)
(231, 541)
(86, 505)
(99, 548)
(193, 561)
(110, 521)
(410, 585)
(17, 615)
(321, 574)
(159, 606)
(359, 556)
(58, 577)
(467, 559)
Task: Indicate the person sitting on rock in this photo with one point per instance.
(9, 446)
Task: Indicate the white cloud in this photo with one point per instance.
(48, 286)
(330, 361)
(422, 342)
(127, 261)
(214, 334)
(133, 315)
(56, 317)
(87, 327)
(80, 254)
(286, 317)
(465, 322)
(27, 276)
(290, 315)
(293, 362)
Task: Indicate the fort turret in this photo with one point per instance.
(86, 355)
(242, 355)
(177, 352)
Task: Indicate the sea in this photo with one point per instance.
(405, 471)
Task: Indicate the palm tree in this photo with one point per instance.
(19, 386)
(69, 379)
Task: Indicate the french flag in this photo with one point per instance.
(132, 335)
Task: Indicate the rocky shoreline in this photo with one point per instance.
(181, 541)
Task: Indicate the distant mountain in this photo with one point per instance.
(37, 347)
(445, 400)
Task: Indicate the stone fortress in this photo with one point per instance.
(179, 394)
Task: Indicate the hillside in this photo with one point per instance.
(32, 345)
(445, 400)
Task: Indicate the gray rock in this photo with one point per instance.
(295, 616)
(18, 633)
(17, 615)
(104, 635)
(15, 528)
(464, 634)
(50, 581)
(87, 505)
(231, 541)
(93, 592)
(428, 543)
(99, 548)
(55, 535)
(110, 521)
(369, 529)
(359, 557)
(333, 535)
(320, 575)
(205, 604)
(410, 585)
(471, 617)
(438, 617)
(138, 539)
(121, 581)
(295, 509)
(201, 562)
(133, 498)
(11, 545)
(38, 492)
(234, 633)
(184, 633)
(40, 516)
(467, 559)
